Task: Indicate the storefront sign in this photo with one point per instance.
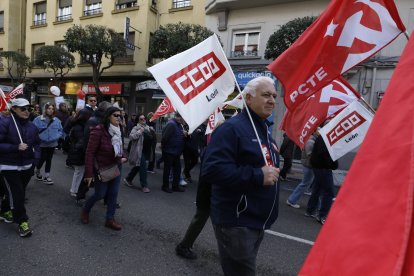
(72, 87)
(106, 88)
(149, 84)
(243, 78)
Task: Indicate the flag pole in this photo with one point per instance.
(245, 105)
(407, 35)
(368, 105)
(11, 114)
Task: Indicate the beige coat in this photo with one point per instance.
(137, 139)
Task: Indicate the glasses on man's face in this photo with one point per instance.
(93, 101)
(116, 115)
(25, 108)
(142, 119)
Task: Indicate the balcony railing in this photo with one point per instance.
(92, 12)
(64, 17)
(39, 22)
(181, 4)
(236, 54)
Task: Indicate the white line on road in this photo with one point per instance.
(289, 237)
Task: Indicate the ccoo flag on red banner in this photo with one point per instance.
(196, 81)
(164, 108)
(369, 230)
(300, 123)
(345, 34)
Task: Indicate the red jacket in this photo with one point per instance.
(100, 149)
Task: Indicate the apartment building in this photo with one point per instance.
(46, 22)
(244, 28)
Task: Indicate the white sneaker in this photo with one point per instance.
(296, 206)
(183, 182)
(47, 181)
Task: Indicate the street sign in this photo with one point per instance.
(129, 45)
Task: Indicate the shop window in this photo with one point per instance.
(245, 44)
(181, 4)
(92, 7)
(64, 10)
(124, 4)
(40, 14)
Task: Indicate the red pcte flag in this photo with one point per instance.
(300, 123)
(164, 108)
(345, 34)
(369, 229)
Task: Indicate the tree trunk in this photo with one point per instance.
(99, 95)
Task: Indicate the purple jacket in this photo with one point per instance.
(9, 142)
(100, 149)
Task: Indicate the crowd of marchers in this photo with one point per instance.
(238, 185)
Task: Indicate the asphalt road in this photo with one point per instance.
(152, 225)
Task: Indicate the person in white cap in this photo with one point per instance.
(19, 151)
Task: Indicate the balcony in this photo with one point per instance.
(63, 17)
(243, 54)
(40, 22)
(214, 6)
(92, 12)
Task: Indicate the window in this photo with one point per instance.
(40, 14)
(62, 44)
(1, 21)
(129, 52)
(245, 44)
(93, 7)
(124, 4)
(64, 10)
(36, 47)
(154, 4)
(150, 58)
(181, 4)
(1, 60)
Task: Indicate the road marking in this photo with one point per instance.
(289, 237)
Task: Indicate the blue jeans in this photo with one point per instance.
(109, 190)
(142, 169)
(303, 185)
(322, 186)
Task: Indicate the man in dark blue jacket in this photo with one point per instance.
(172, 146)
(19, 152)
(245, 194)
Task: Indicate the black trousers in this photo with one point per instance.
(171, 162)
(16, 183)
(46, 155)
(3, 192)
(190, 160)
(287, 165)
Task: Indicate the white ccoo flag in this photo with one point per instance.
(196, 81)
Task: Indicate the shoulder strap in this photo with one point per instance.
(50, 122)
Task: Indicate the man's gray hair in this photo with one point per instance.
(252, 85)
(103, 106)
